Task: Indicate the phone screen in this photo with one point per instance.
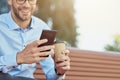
(49, 35)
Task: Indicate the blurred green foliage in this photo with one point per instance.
(115, 46)
(58, 14)
(3, 6)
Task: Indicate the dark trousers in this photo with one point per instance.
(5, 76)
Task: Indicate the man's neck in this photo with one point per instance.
(22, 23)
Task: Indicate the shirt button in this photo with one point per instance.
(24, 45)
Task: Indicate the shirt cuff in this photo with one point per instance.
(9, 62)
(62, 77)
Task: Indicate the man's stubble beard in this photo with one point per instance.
(20, 17)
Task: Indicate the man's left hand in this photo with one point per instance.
(63, 63)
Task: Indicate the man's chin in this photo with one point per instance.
(25, 18)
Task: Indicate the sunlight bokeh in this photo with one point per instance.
(98, 21)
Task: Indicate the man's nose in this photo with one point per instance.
(27, 3)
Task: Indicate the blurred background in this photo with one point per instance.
(84, 24)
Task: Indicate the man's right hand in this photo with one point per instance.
(32, 53)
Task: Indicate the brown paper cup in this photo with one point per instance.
(59, 47)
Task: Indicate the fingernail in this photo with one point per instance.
(45, 40)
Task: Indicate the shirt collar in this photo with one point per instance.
(12, 25)
(32, 25)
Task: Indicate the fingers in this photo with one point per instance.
(42, 54)
(66, 68)
(63, 57)
(66, 52)
(63, 66)
(33, 47)
(38, 42)
(33, 53)
(44, 48)
(64, 63)
(37, 59)
(41, 49)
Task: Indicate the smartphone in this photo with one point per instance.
(49, 35)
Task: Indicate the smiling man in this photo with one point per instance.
(19, 51)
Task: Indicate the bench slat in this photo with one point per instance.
(90, 65)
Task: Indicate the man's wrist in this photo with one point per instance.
(60, 76)
(18, 60)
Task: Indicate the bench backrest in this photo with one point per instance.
(90, 65)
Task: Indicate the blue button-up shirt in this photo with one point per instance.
(14, 39)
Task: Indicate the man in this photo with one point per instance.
(19, 51)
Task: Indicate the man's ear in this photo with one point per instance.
(9, 2)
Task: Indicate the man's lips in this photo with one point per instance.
(25, 11)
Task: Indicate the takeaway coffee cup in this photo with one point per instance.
(59, 47)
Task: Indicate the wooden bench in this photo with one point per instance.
(90, 65)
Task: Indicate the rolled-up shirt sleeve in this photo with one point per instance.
(7, 62)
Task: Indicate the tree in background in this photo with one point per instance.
(115, 46)
(3, 6)
(58, 14)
